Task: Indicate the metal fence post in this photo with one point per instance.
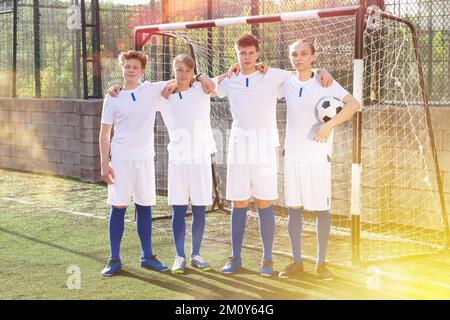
(96, 63)
(254, 11)
(37, 49)
(14, 48)
(165, 40)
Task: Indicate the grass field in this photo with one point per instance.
(49, 224)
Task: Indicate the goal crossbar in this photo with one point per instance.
(142, 34)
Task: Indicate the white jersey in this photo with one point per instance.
(186, 115)
(302, 124)
(253, 102)
(132, 113)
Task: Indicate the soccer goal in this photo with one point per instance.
(387, 198)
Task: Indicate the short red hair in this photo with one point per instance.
(247, 41)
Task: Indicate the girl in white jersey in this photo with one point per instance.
(308, 145)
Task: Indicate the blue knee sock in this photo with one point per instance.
(144, 229)
(295, 225)
(116, 228)
(179, 228)
(267, 230)
(238, 221)
(197, 228)
(323, 231)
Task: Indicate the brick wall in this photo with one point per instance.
(54, 136)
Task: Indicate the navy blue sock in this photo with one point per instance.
(323, 231)
(197, 228)
(179, 228)
(238, 221)
(295, 225)
(144, 229)
(116, 228)
(267, 230)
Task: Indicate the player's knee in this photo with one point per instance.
(263, 204)
(240, 204)
(119, 207)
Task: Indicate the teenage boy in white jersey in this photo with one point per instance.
(252, 167)
(127, 163)
(186, 115)
(131, 109)
(308, 146)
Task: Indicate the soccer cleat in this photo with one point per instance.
(179, 265)
(153, 263)
(292, 270)
(323, 272)
(113, 267)
(232, 265)
(198, 262)
(266, 269)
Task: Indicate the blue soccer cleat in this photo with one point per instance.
(323, 272)
(153, 263)
(232, 265)
(266, 269)
(113, 267)
(294, 269)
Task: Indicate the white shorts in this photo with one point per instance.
(252, 180)
(133, 180)
(307, 184)
(190, 181)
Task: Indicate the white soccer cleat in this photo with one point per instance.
(179, 265)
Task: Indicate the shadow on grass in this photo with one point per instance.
(215, 292)
(55, 246)
(261, 288)
(349, 284)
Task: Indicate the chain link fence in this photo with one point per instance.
(432, 22)
(6, 48)
(49, 47)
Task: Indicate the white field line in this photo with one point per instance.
(60, 210)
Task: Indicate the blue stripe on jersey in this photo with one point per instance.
(133, 97)
(179, 94)
(300, 93)
(246, 82)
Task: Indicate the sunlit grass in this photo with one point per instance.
(41, 236)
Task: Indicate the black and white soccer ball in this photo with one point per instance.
(327, 108)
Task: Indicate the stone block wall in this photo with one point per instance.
(53, 136)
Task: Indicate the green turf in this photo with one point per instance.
(40, 237)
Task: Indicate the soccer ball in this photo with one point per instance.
(327, 108)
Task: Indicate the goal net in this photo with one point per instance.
(400, 202)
